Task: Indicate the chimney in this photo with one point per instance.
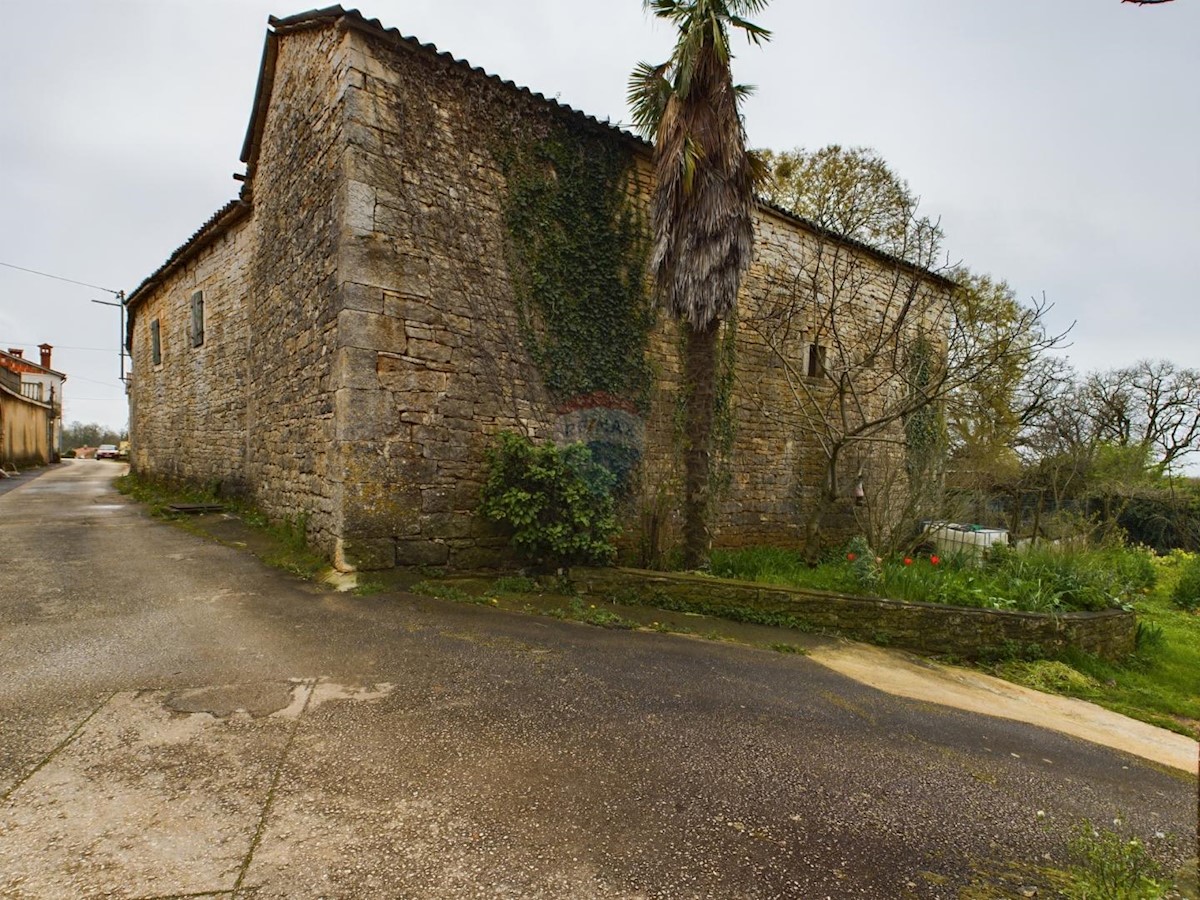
(45, 348)
(17, 352)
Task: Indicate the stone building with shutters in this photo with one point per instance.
(421, 256)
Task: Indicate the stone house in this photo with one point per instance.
(40, 384)
(423, 255)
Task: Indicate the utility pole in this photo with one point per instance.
(120, 304)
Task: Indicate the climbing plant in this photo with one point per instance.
(577, 253)
(925, 426)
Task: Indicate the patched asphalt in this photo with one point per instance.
(179, 720)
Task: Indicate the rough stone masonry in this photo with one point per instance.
(341, 342)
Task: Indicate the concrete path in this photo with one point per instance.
(909, 676)
(178, 720)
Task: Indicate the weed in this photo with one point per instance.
(515, 584)
(789, 648)
(445, 592)
(1186, 594)
(1148, 638)
(367, 587)
(290, 536)
(594, 615)
(1109, 867)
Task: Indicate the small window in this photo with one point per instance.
(198, 318)
(816, 361)
(155, 343)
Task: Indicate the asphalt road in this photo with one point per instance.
(179, 720)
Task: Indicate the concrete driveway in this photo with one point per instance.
(179, 720)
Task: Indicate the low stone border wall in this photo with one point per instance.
(926, 627)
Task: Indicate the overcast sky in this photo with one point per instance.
(1058, 140)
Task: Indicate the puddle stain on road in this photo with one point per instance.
(161, 789)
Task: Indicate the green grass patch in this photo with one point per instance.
(698, 604)
(1044, 579)
(450, 592)
(515, 584)
(1159, 683)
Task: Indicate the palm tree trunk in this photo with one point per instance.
(699, 370)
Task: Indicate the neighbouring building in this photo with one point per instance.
(33, 428)
(423, 255)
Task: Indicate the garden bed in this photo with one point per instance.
(963, 632)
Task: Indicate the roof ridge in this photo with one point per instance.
(29, 362)
(332, 15)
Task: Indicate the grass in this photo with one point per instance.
(449, 592)
(1044, 579)
(1159, 684)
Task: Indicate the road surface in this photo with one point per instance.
(180, 720)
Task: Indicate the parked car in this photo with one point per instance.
(107, 451)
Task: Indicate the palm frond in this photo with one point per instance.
(648, 90)
(754, 33)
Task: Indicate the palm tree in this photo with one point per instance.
(701, 209)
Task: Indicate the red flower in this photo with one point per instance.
(908, 560)
(934, 560)
(851, 557)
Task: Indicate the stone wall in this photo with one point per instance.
(188, 412)
(430, 357)
(251, 409)
(925, 627)
(292, 300)
(363, 342)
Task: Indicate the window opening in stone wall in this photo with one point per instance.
(198, 318)
(816, 361)
(155, 343)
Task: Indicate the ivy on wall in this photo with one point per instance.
(577, 253)
(925, 427)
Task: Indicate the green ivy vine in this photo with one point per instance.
(577, 252)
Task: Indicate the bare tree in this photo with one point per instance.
(1153, 405)
(871, 352)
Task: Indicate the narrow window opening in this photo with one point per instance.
(816, 361)
(155, 343)
(198, 318)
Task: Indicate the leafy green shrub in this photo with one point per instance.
(1187, 590)
(556, 501)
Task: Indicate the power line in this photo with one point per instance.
(59, 278)
(15, 343)
(111, 384)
